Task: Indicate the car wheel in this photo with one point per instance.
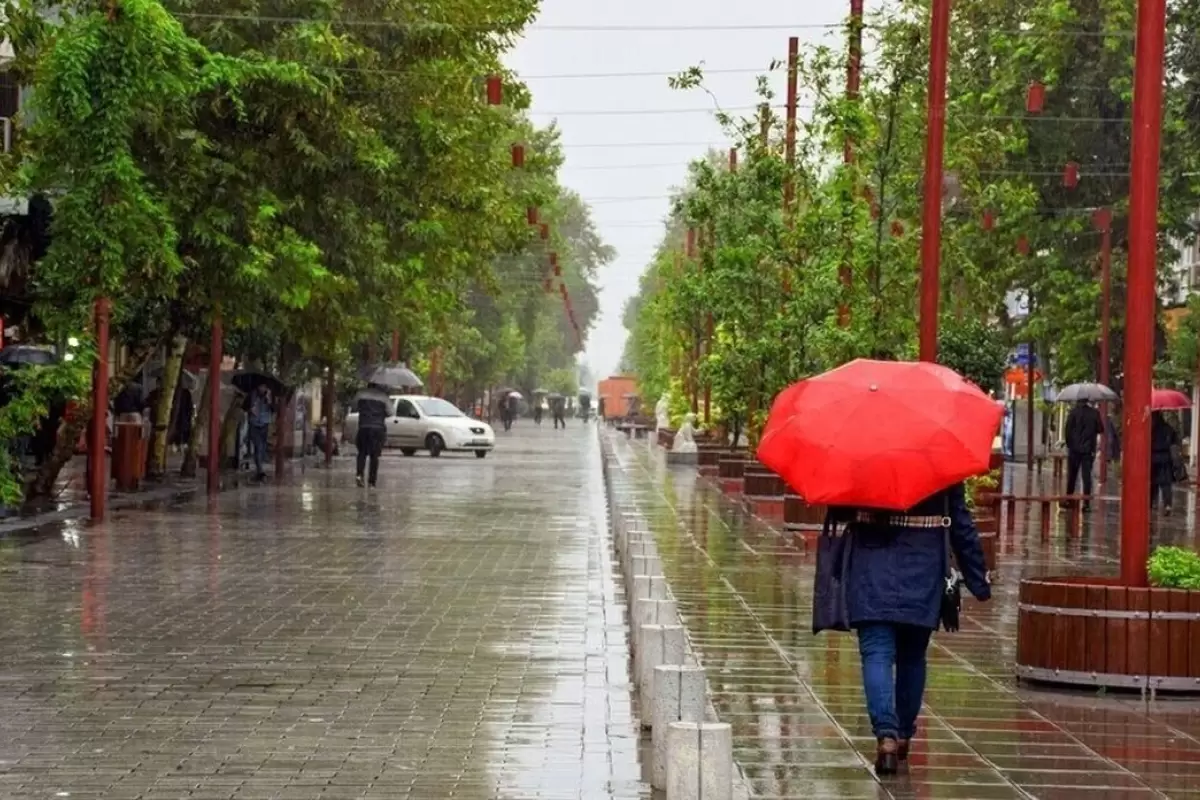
(481, 453)
(409, 451)
(435, 445)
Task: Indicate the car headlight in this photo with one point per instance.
(478, 431)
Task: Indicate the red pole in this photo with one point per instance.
(1030, 419)
(395, 346)
(214, 406)
(98, 464)
(329, 405)
(789, 142)
(935, 142)
(1141, 300)
(1102, 219)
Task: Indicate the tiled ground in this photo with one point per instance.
(795, 702)
(456, 633)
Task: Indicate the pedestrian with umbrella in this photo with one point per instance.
(887, 446)
(1083, 429)
(558, 405)
(1164, 444)
(373, 406)
(539, 405)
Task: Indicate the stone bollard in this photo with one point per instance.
(679, 696)
(643, 548)
(648, 612)
(657, 645)
(699, 761)
(648, 587)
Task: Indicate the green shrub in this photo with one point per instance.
(1174, 568)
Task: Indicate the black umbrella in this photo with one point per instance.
(248, 380)
(392, 376)
(554, 396)
(22, 354)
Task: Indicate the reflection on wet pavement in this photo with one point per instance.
(457, 633)
(795, 700)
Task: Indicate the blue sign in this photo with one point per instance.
(1020, 357)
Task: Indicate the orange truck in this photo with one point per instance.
(613, 391)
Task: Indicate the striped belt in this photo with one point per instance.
(904, 520)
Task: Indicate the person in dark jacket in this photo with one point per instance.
(1163, 441)
(373, 406)
(894, 589)
(558, 407)
(1084, 427)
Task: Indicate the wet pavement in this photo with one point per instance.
(457, 633)
(795, 700)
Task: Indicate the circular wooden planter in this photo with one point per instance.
(762, 483)
(1095, 632)
(708, 456)
(988, 526)
(666, 437)
(731, 465)
(798, 515)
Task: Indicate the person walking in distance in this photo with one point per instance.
(558, 408)
(1163, 441)
(372, 405)
(258, 424)
(1084, 428)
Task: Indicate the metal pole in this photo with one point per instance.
(853, 82)
(98, 464)
(1029, 417)
(214, 406)
(1141, 299)
(1102, 219)
(329, 406)
(935, 142)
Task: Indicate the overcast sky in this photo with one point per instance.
(611, 160)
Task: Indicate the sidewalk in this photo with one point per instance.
(456, 633)
(795, 700)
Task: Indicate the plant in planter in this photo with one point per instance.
(1174, 568)
(979, 487)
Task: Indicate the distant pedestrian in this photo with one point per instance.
(558, 407)
(258, 424)
(1163, 441)
(1084, 427)
(585, 406)
(373, 406)
(539, 408)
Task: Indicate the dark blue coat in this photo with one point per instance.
(897, 575)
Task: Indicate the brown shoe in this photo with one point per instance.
(887, 758)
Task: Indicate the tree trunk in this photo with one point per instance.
(42, 484)
(163, 409)
(199, 426)
(229, 426)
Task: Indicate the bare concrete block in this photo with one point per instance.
(648, 587)
(679, 696)
(657, 645)
(699, 761)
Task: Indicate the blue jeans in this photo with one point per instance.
(258, 445)
(893, 672)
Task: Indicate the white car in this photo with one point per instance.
(417, 422)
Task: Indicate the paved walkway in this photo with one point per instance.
(456, 633)
(795, 700)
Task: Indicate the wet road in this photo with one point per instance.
(456, 633)
(795, 700)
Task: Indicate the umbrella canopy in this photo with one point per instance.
(392, 376)
(22, 354)
(249, 380)
(879, 434)
(554, 396)
(540, 391)
(514, 394)
(373, 393)
(584, 393)
(1169, 400)
(1092, 392)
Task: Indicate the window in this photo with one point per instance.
(437, 407)
(405, 408)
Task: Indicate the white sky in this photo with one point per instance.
(625, 181)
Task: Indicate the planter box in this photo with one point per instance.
(681, 458)
(762, 482)
(988, 526)
(709, 455)
(1095, 632)
(666, 437)
(798, 515)
(731, 465)
(997, 462)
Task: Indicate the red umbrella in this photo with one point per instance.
(1168, 400)
(879, 434)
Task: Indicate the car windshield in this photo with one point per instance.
(437, 407)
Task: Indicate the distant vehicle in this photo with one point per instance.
(417, 422)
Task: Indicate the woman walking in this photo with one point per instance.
(1163, 441)
(898, 573)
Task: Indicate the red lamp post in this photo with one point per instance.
(935, 142)
(97, 463)
(1141, 300)
(215, 352)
